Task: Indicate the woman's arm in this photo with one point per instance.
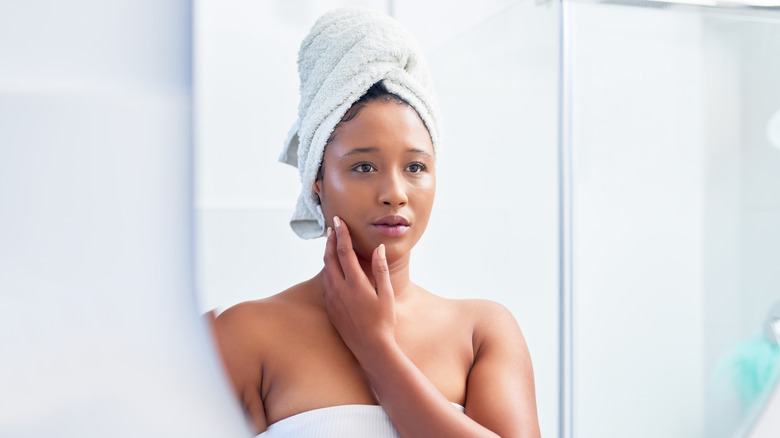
(233, 331)
(500, 397)
(500, 389)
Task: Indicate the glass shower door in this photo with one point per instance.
(675, 216)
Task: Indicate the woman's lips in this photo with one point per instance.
(392, 230)
(392, 226)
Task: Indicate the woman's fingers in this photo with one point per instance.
(346, 255)
(381, 273)
(363, 314)
(331, 258)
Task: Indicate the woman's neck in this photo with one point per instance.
(399, 276)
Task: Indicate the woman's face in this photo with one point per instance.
(379, 177)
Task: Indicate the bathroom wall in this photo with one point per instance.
(494, 229)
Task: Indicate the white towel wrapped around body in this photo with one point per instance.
(346, 52)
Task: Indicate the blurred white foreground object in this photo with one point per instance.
(773, 129)
(99, 330)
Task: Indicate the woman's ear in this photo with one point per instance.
(317, 186)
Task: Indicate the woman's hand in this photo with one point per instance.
(500, 397)
(363, 315)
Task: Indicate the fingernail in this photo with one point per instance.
(336, 221)
(329, 231)
(382, 250)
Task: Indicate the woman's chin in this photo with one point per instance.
(394, 251)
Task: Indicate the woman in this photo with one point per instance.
(360, 350)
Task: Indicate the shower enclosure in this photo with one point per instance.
(610, 172)
(671, 154)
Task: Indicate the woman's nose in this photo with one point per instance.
(392, 190)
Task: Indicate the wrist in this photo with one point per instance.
(377, 352)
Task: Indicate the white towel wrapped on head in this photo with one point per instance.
(346, 52)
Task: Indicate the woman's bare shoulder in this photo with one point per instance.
(488, 319)
(480, 311)
(484, 319)
(261, 318)
(482, 307)
(247, 332)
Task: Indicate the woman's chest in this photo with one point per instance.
(311, 368)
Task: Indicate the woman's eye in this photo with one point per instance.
(415, 168)
(363, 168)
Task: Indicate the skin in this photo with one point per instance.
(361, 332)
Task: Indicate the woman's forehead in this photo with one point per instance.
(382, 127)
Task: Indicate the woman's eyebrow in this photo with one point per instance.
(420, 151)
(373, 149)
(360, 151)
